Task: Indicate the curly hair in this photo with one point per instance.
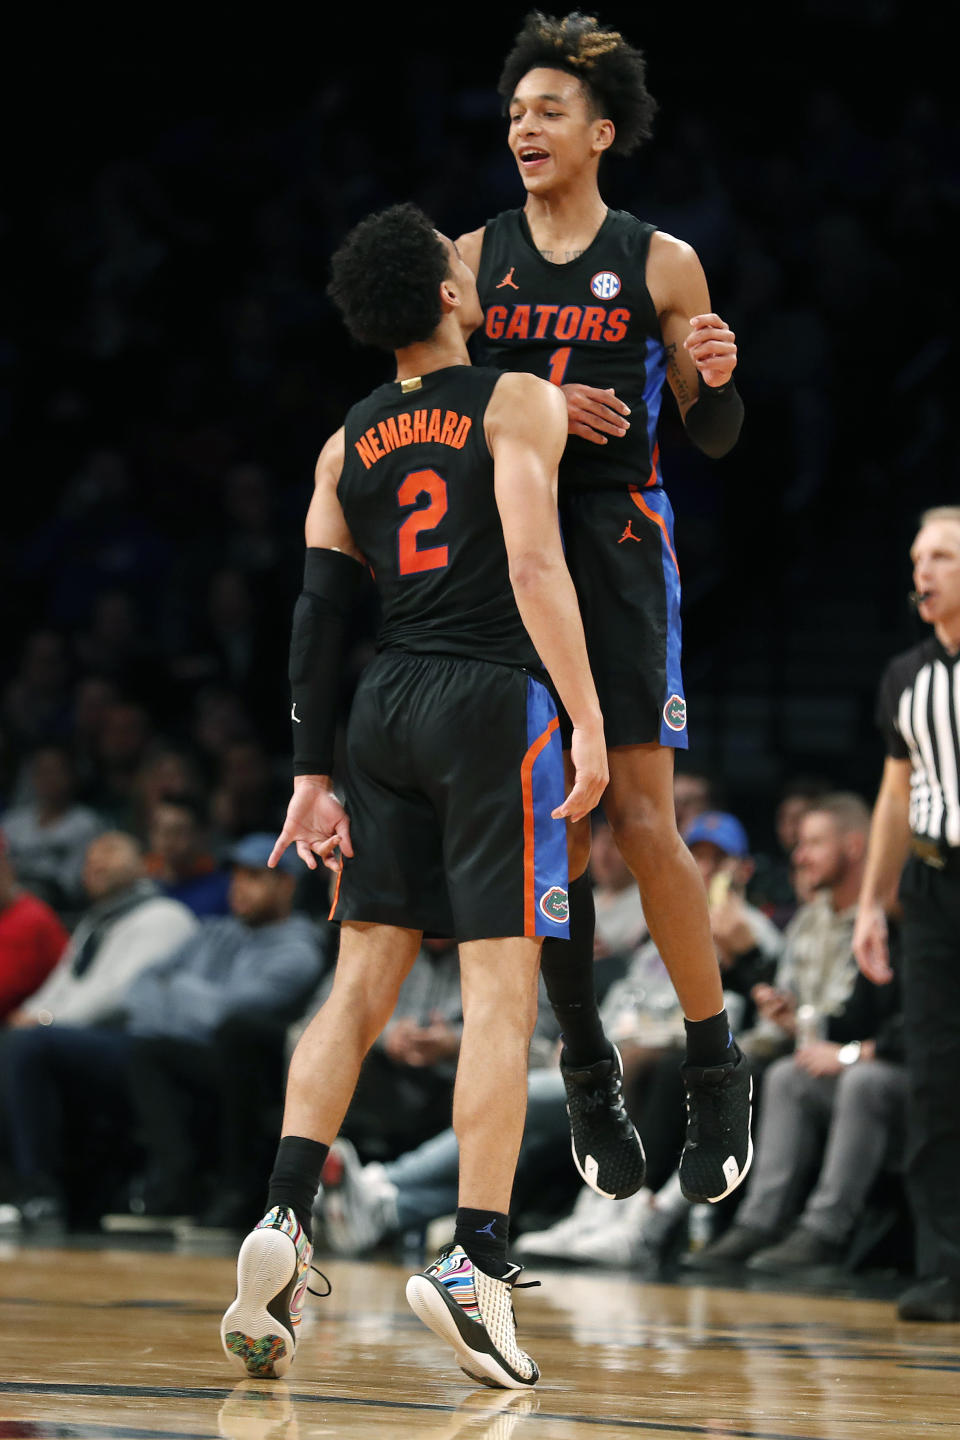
(386, 278)
(611, 71)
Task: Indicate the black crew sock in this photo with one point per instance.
(710, 1041)
(483, 1235)
(295, 1178)
(567, 969)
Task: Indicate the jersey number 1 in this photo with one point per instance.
(413, 560)
(558, 365)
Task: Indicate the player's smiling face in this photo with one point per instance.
(553, 134)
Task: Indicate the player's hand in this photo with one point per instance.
(316, 823)
(871, 944)
(588, 754)
(713, 348)
(594, 414)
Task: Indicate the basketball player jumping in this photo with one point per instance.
(443, 482)
(608, 307)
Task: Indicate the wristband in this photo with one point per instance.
(713, 421)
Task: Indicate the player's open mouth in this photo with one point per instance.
(531, 158)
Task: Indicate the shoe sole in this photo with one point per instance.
(430, 1303)
(253, 1339)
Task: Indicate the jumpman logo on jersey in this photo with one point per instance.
(508, 280)
(629, 535)
(488, 1229)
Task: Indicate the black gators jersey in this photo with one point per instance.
(590, 321)
(417, 493)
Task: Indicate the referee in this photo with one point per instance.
(915, 840)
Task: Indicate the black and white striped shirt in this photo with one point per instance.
(919, 713)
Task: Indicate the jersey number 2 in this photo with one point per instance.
(413, 560)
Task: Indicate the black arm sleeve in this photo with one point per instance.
(713, 421)
(331, 586)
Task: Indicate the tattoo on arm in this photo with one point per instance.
(677, 383)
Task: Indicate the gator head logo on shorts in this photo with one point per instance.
(675, 712)
(555, 905)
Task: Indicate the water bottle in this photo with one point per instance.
(810, 1025)
(700, 1226)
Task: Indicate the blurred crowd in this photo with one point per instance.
(152, 987)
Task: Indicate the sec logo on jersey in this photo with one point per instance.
(605, 285)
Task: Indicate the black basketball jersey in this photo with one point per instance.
(417, 493)
(590, 321)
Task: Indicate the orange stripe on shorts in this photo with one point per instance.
(641, 504)
(336, 889)
(529, 871)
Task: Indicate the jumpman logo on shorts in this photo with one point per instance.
(629, 535)
(488, 1229)
(508, 280)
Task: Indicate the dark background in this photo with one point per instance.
(178, 183)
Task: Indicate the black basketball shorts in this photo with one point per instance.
(620, 552)
(453, 768)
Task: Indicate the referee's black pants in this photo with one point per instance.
(931, 1009)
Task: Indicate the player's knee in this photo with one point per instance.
(362, 1007)
(645, 833)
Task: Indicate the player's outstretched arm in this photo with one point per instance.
(701, 348)
(333, 575)
(526, 430)
(887, 850)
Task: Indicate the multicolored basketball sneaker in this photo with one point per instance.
(260, 1328)
(473, 1312)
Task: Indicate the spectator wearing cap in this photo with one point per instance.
(155, 1078)
(260, 965)
(748, 943)
(643, 1017)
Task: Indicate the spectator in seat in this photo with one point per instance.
(153, 1077)
(826, 1016)
(179, 859)
(127, 926)
(48, 835)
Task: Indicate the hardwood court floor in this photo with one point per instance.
(118, 1343)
